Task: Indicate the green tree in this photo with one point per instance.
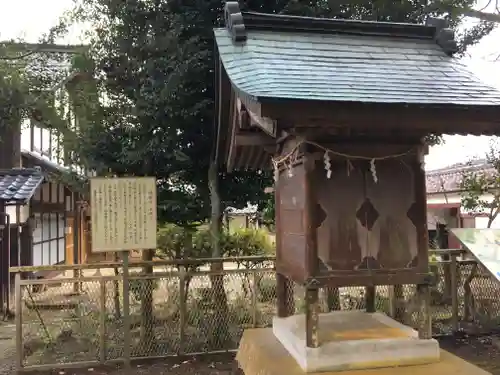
(481, 186)
(154, 63)
(29, 78)
(269, 213)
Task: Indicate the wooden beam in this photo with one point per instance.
(231, 151)
(248, 118)
(417, 119)
(47, 207)
(266, 124)
(251, 104)
(247, 157)
(254, 139)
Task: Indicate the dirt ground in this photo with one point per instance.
(203, 365)
(482, 351)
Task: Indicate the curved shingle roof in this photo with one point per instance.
(344, 67)
(18, 185)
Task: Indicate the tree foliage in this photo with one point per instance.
(28, 82)
(481, 187)
(175, 242)
(155, 68)
(152, 99)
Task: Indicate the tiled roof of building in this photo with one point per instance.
(18, 185)
(449, 179)
(284, 57)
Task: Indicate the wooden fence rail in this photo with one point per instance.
(108, 319)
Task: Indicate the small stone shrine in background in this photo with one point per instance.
(339, 110)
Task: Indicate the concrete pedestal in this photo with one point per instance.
(354, 340)
(260, 353)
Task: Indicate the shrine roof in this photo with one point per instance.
(269, 57)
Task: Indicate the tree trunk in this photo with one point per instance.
(187, 268)
(220, 334)
(216, 216)
(147, 317)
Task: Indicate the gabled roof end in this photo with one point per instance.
(238, 22)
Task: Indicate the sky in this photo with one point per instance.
(481, 61)
(30, 18)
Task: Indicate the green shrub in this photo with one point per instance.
(247, 242)
(179, 243)
(175, 242)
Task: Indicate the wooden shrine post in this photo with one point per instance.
(310, 224)
(423, 289)
(284, 287)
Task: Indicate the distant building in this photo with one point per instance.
(54, 217)
(244, 218)
(444, 196)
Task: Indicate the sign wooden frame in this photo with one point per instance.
(123, 213)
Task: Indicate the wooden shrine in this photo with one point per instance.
(339, 111)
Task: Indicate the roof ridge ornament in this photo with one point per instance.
(234, 22)
(444, 35)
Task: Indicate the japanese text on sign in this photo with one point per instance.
(123, 213)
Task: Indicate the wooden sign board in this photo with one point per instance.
(123, 212)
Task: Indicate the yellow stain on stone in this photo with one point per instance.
(364, 328)
(363, 334)
(260, 353)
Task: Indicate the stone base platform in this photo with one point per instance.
(352, 340)
(260, 353)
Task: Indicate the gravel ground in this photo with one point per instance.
(7, 347)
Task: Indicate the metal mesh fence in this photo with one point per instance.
(83, 320)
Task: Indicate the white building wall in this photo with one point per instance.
(45, 142)
(482, 222)
(451, 198)
(12, 212)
